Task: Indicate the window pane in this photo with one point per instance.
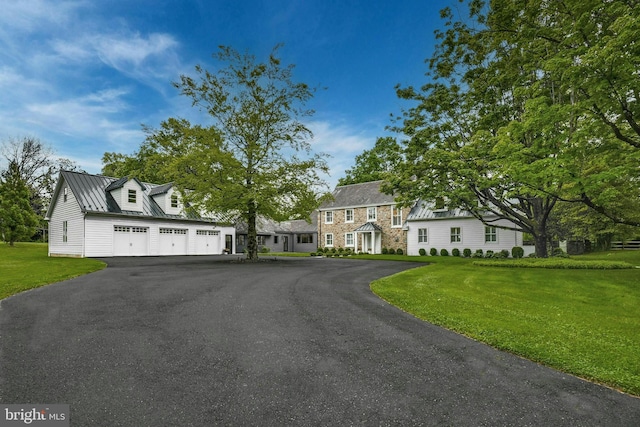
(132, 196)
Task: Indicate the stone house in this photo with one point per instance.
(362, 218)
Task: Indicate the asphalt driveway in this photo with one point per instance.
(200, 341)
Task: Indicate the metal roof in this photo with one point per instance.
(369, 226)
(269, 227)
(160, 189)
(425, 211)
(93, 195)
(358, 195)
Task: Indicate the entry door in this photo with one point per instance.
(285, 243)
(228, 243)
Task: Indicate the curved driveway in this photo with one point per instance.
(200, 341)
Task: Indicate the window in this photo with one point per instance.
(490, 234)
(241, 240)
(208, 233)
(65, 228)
(348, 240)
(348, 215)
(439, 203)
(64, 194)
(174, 200)
(372, 214)
(261, 240)
(328, 239)
(132, 196)
(423, 236)
(305, 238)
(455, 235)
(275, 239)
(396, 217)
(328, 217)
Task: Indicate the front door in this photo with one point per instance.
(285, 243)
(228, 243)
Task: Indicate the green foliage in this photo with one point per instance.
(312, 254)
(422, 252)
(504, 253)
(265, 250)
(478, 254)
(466, 252)
(558, 263)
(374, 164)
(400, 251)
(392, 251)
(18, 221)
(255, 159)
(508, 120)
(558, 252)
(488, 254)
(444, 252)
(385, 251)
(517, 252)
(340, 250)
(433, 252)
(455, 252)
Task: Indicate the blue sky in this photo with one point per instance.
(84, 76)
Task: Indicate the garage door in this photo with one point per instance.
(130, 241)
(208, 242)
(173, 241)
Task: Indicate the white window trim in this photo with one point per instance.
(393, 209)
(490, 242)
(353, 240)
(131, 192)
(426, 241)
(65, 231)
(459, 235)
(375, 214)
(326, 240)
(326, 221)
(346, 219)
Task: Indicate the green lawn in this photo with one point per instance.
(27, 266)
(585, 322)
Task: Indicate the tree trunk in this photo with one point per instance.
(540, 239)
(252, 235)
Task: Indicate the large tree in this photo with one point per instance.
(18, 221)
(506, 126)
(255, 158)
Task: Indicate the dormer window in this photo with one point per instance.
(132, 196)
(64, 194)
(174, 200)
(439, 203)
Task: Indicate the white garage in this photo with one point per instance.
(173, 241)
(208, 242)
(130, 241)
(99, 216)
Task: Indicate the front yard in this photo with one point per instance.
(584, 322)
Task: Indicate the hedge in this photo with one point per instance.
(561, 263)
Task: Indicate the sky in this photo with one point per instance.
(85, 76)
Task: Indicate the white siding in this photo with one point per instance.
(69, 211)
(164, 201)
(472, 236)
(100, 233)
(121, 196)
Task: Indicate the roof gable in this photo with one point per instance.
(357, 195)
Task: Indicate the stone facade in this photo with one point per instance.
(391, 237)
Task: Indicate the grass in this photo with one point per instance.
(26, 266)
(584, 322)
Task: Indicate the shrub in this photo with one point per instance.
(556, 263)
(558, 252)
(433, 252)
(455, 252)
(334, 250)
(312, 254)
(328, 254)
(532, 256)
(478, 254)
(497, 255)
(466, 252)
(385, 251)
(392, 251)
(505, 253)
(488, 254)
(400, 251)
(340, 250)
(444, 252)
(347, 251)
(517, 252)
(422, 252)
(265, 250)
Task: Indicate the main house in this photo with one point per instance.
(362, 218)
(99, 216)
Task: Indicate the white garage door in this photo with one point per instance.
(208, 242)
(173, 241)
(130, 241)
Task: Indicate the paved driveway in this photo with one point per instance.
(199, 341)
